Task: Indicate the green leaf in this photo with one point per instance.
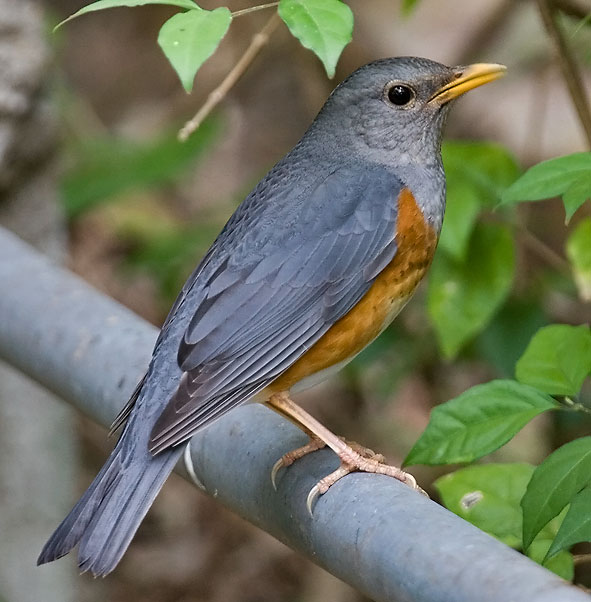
(569, 176)
(508, 334)
(461, 213)
(488, 496)
(188, 39)
(576, 526)
(557, 359)
(408, 6)
(576, 194)
(554, 484)
(463, 296)
(477, 173)
(323, 26)
(562, 564)
(105, 168)
(478, 422)
(167, 253)
(578, 250)
(104, 4)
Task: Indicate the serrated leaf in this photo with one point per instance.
(578, 251)
(104, 4)
(464, 295)
(188, 39)
(576, 526)
(478, 422)
(567, 176)
(554, 484)
(488, 496)
(557, 359)
(476, 173)
(323, 26)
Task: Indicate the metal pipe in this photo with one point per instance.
(376, 534)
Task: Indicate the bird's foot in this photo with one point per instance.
(356, 458)
(290, 457)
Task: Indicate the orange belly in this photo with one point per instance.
(416, 242)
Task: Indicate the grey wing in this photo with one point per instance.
(278, 292)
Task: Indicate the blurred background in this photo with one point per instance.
(91, 172)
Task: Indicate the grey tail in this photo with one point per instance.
(109, 513)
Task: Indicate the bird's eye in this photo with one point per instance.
(400, 95)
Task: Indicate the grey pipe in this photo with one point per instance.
(371, 531)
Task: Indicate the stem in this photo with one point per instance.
(544, 251)
(252, 9)
(572, 8)
(568, 65)
(576, 406)
(258, 41)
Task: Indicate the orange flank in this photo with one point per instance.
(416, 242)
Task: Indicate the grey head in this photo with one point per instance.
(399, 104)
(391, 112)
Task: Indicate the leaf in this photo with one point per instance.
(104, 4)
(108, 167)
(461, 213)
(554, 484)
(576, 194)
(188, 39)
(477, 173)
(508, 334)
(488, 496)
(557, 359)
(478, 422)
(569, 176)
(562, 564)
(323, 26)
(408, 6)
(576, 526)
(578, 251)
(166, 252)
(463, 296)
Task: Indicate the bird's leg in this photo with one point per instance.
(353, 456)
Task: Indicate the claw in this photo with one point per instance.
(311, 499)
(187, 458)
(275, 471)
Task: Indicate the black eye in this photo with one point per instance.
(400, 95)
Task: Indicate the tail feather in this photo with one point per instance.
(107, 516)
(112, 528)
(71, 529)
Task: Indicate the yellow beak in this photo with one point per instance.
(468, 78)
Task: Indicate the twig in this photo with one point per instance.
(478, 41)
(259, 40)
(568, 66)
(252, 9)
(572, 8)
(545, 252)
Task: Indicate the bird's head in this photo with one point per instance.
(399, 105)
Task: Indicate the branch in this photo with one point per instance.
(259, 40)
(568, 65)
(373, 532)
(572, 8)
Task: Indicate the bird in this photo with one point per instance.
(311, 267)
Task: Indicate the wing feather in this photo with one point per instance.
(284, 276)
